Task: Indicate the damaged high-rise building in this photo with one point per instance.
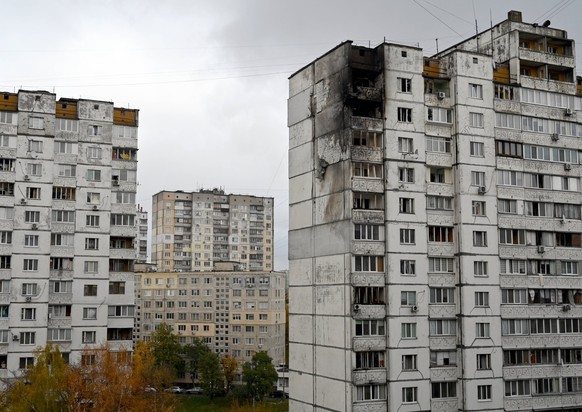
(435, 226)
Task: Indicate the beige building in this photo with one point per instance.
(67, 226)
(192, 231)
(233, 312)
(435, 226)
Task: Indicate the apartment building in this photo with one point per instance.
(141, 244)
(435, 226)
(192, 231)
(67, 211)
(234, 312)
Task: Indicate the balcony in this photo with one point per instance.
(360, 311)
(365, 376)
(361, 343)
(368, 93)
(526, 403)
(367, 123)
(363, 184)
(444, 405)
(371, 406)
(550, 85)
(539, 56)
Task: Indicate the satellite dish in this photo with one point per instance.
(547, 23)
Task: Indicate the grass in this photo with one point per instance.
(187, 403)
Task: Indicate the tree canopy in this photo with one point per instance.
(259, 375)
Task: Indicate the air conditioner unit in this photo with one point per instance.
(15, 338)
(356, 307)
(26, 178)
(34, 226)
(569, 112)
(23, 201)
(566, 308)
(414, 308)
(482, 190)
(567, 166)
(441, 95)
(94, 207)
(28, 299)
(555, 136)
(541, 249)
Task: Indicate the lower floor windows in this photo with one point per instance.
(370, 392)
(410, 394)
(444, 390)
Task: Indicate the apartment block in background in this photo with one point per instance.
(193, 231)
(141, 244)
(235, 313)
(435, 226)
(67, 226)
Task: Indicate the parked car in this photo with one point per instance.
(279, 394)
(174, 389)
(150, 389)
(194, 391)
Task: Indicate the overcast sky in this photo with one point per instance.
(210, 77)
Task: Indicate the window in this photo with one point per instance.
(27, 338)
(439, 115)
(478, 179)
(367, 232)
(407, 267)
(407, 237)
(94, 175)
(62, 239)
(6, 213)
(478, 208)
(509, 178)
(32, 216)
(484, 392)
(67, 170)
(517, 388)
(370, 392)
(408, 330)
(61, 286)
(67, 125)
(123, 197)
(5, 262)
(404, 115)
(26, 363)
(406, 205)
(409, 362)
(92, 220)
(443, 358)
(35, 146)
(406, 174)
(444, 390)
(89, 336)
(483, 361)
(479, 238)
(4, 286)
(480, 268)
(442, 295)
(442, 327)
(438, 175)
(365, 138)
(121, 311)
(28, 314)
(34, 169)
(91, 243)
(509, 149)
(59, 335)
(438, 144)
(30, 265)
(507, 206)
(64, 193)
(90, 290)
(407, 298)
(440, 234)
(360, 169)
(93, 130)
(475, 91)
(35, 123)
(369, 264)
(63, 216)
(89, 313)
(6, 117)
(370, 327)
(117, 288)
(404, 85)
(6, 238)
(476, 120)
(368, 295)
(439, 203)
(94, 152)
(6, 189)
(545, 385)
(511, 236)
(409, 394)
(405, 145)
(122, 220)
(482, 330)
(482, 299)
(477, 149)
(441, 265)
(370, 360)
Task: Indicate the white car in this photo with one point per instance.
(174, 389)
(195, 390)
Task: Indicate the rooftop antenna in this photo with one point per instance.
(437, 44)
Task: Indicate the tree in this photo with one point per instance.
(259, 375)
(41, 388)
(167, 350)
(229, 367)
(191, 354)
(211, 375)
